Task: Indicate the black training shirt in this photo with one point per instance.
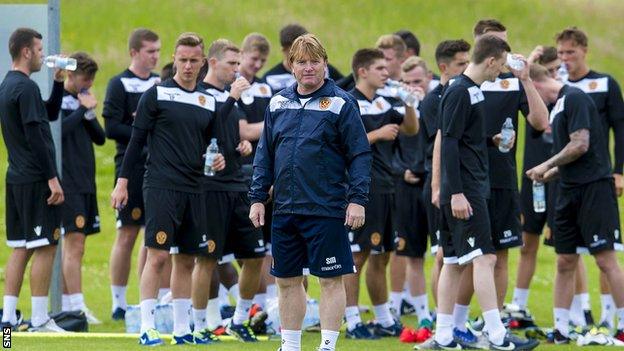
(253, 104)
(430, 122)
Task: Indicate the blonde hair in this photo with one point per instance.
(392, 41)
(413, 62)
(304, 46)
(538, 72)
(219, 47)
(256, 41)
(190, 39)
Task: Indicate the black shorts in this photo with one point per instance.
(229, 228)
(552, 196)
(303, 241)
(532, 222)
(175, 221)
(377, 235)
(434, 216)
(80, 214)
(504, 211)
(464, 240)
(411, 220)
(134, 211)
(587, 219)
(30, 221)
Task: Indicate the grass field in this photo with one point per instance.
(101, 27)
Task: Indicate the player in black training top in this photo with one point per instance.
(375, 240)
(510, 93)
(176, 119)
(280, 76)
(81, 130)
(33, 191)
(586, 213)
(231, 235)
(572, 45)
(120, 105)
(464, 192)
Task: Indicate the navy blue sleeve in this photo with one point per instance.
(53, 105)
(450, 166)
(357, 152)
(262, 178)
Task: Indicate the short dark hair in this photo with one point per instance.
(488, 25)
(489, 46)
(410, 40)
(85, 64)
(168, 71)
(446, 50)
(190, 39)
(289, 33)
(363, 58)
(572, 33)
(138, 36)
(549, 54)
(22, 38)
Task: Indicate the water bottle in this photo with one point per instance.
(399, 91)
(163, 318)
(56, 61)
(539, 197)
(211, 152)
(515, 62)
(90, 115)
(133, 319)
(507, 136)
(562, 73)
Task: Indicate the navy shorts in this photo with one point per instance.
(304, 241)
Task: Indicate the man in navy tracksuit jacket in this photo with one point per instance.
(315, 153)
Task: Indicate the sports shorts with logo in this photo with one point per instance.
(504, 211)
(411, 222)
(134, 211)
(378, 233)
(434, 216)
(80, 214)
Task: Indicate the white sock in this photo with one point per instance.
(496, 329)
(119, 297)
(460, 316)
(520, 298)
(65, 304)
(576, 312)
(352, 314)
(328, 339)
(223, 298)
(585, 304)
(395, 301)
(260, 300)
(421, 304)
(162, 292)
(444, 329)
(147, 314)
(607, 310)
(241, 314)
(181, 316)
(562, 320)
(8, 309)
(233, 292)
(383, 315)
(199, 319)
(39, 310)
(620, 315)
(291, 340)
(77, 302)
(271, 291)
(213, 314)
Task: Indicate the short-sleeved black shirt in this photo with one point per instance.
(178, 122)
(376, 114)
(537, 146)
(122, 98)
(228, 137)
(503, 98)
(575, 110)
(21, 104)
(78, 156)
(253, 104)
(430, 122)
(462, 117)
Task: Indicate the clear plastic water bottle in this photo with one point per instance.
(515, 62)
(163, 318)
(399, 91)
(562, 72)
(56, 61)
(507, 136)
(133, 319)
(211, 152)
(539, 197)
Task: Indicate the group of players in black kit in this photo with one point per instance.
(436, 172)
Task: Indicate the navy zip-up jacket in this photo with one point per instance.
(315, 155)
